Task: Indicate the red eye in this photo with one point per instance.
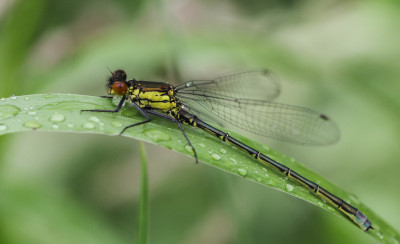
(120, 87)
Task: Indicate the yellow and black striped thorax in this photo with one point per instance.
(151, 94)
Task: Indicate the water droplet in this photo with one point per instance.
(48, 96)
(354, 199)
(296, 132)
(266, 175)
(70, 125)
(264, 169)
(54, 126)
(242, 171)
(189, 148)
(128, 113)
(289, 187)
(216, 156)
(233, 160)
(320, 204)
(32, 125)
(57, 117)
(157, 135)
(26, 98)
(94, 119)
(116, 124)
(31, 113)
(3, 127)
(13, 97)
(202, 145)
(266, 148)
(380, 235)
(8, 111)
(258, 179)
(2, 99)
(67, 105)
(222, 150)
(88, 125)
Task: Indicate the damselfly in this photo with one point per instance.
(243, 99)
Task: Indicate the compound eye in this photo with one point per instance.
(120, 87)
(119, 75)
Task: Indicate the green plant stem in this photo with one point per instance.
(143, 230)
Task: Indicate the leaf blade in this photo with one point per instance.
(61, 113)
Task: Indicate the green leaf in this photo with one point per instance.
(61, 113)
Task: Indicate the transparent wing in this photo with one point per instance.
(280, 121)
(255, 84)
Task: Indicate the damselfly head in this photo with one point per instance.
(117, 84)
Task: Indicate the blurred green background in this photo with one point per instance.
(339, 57)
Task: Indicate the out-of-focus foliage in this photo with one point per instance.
(340, 57)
